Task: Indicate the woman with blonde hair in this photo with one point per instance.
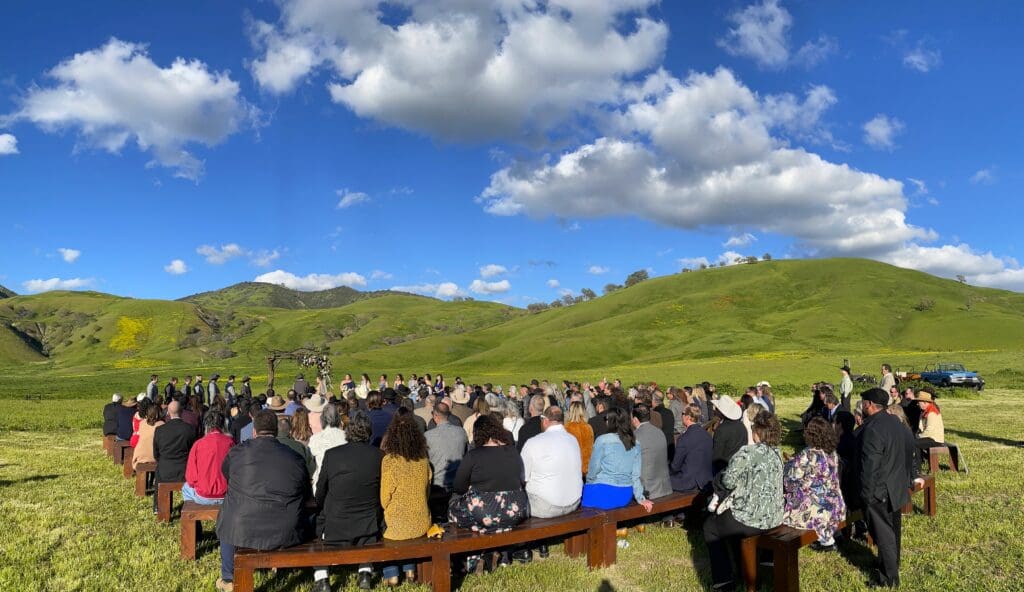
(577, 425)
(699, 398)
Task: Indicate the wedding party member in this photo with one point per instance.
(813, 498)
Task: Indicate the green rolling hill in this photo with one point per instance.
(274, 296)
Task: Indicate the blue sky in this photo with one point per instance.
(502, 150)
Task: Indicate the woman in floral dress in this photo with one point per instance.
(813, 499)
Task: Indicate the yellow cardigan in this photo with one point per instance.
(403, 495)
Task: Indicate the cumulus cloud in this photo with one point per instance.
(380, 275)
(263, 257)
(39, 285)
(116, 94)
(922, 59)
(598, 270)
(219, 256)
(880, 132)
(313, 282)
(761, 32)
(462, 70)
(920, 187)
(482, 287)
(442, 290)
(741, 240)
(693, 262)
(730, 258)
(350, 198)
(553, 283)
(176, 267)
(492, 270)
(8, 144)
(986, 176)
(69, 255)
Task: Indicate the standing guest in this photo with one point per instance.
(654, 475)
(888, 380)
(553, 467)
(315, 406)
(348, 496)
(171, 389)
(330, 436)
(446, 445)
(932, 431)
(268, 484)
(845, 388)
(110, 413)
(126, 419)
(813, 496)
(887, 468)
(512, 420)
(691, 467)
(754, 501)
(614, 475)
(284, 436)
(171, 445)
(532, 426)
(576, 424)
(147, 430)
(730, 435)
(380, 418)
(204, 482)
(152, 389)
(404, 485)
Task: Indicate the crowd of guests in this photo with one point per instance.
(393, 459)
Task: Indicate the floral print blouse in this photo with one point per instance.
(814, 500)
(754, 477)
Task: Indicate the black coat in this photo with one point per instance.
(124, 422)
(171, 443)
(668, 423)
(913, 412)
(169, 391)
(110, 418)
(267, 486)
(730, 436)
(598, 424)
(531, 428)
(886, 460)
(348, 495)
(691, 466)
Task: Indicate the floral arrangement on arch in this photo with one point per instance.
(321, 362)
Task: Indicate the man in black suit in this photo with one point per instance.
(834, 410)
(170, 389)
(887, 465)
(668, 422)
(597, 423)
(532, 426)
(171, 444)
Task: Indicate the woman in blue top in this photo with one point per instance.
(613, 476)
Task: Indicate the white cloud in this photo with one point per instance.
(553, 283)
(741, 240)
(69, 255)
(948, 260)
(761, 32)
(313, 282)
(482, 287)
(34, 286)
(986, 176)
(1007, 279)
(176, 267)
(263, 258)
(921, 188)
(730, 258)
(598, 270)
(881, 131)
(380, 275)
(8, 144)
(116, 94)
(462, 70)
(442, 290)
(815, 52)
(492, 270)
(218, 256)
(693, 262)
(922, 59)
(350, 198)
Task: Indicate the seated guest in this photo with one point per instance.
(348, 496)
(750, 411)
(932, 431)
(330, 436)
(192, 414)
(204, 482)
(614, 475)
(654, 475)
(446, 445)
(912, 410)
(404, 482)
(460, 402)
(390, 398)
(241, 424)
(379, 417)
(813, 497)
(427, 410)
(532, 426)
(480, 407)
(315, 405)
(268, 485)
(754, 502)
(284, 436)
(147, 429)
(110, 412)
(407, 404)
(171, 445)
(301, 429)
(294, 402)
(730, 435)
(553, 468)
(139, 418)
(511, 419)
(691, 466)
(276, 404)
(576, 424)
(126, 419)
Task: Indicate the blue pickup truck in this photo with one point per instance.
(952, 375)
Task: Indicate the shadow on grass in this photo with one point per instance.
(32, 479)
(693, 525)
(985, 438)
(605, 586)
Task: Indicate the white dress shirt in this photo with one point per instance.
(552, 466)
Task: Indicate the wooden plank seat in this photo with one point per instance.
(582, 528)
(785, 543)
(119, 451)
(192, 516)
(949, 449)
(142, 472)
(165, 499)
(129, 470)
(108, 444)
(674, 502)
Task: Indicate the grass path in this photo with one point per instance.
(69, 521)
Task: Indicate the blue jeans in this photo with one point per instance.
(188, 493)
(227, 561)
(391, 571)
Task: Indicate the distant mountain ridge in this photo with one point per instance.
(258, 294)
(6, 293)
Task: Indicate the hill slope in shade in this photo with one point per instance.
(6, 293)
(765, 311)
(258, 294)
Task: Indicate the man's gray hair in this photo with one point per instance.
(329, 417)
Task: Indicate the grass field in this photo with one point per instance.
(71, 521)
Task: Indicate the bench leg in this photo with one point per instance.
(140, 484)
(128, 470)
(163, 504)
(575, 545)
(440, 572)
(423, 572)
(929, 500)
(787, 570)
(954, 459)
(933, 461)
(244, 580)
(189, 539)
(601, 547)
(748, 562)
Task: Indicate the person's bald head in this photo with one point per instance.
(174, 408)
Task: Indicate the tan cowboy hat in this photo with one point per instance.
(315, 404)
(276, 403)
(727, 407)
(924, 396)
(459, 395)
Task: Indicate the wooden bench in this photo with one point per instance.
(108, 444)
(582, 529)
(192, 516)
(165, 499)
(949, 449)
(785, 543)
(129, 470)
(674, 502)
(120, 450)
(142, 472)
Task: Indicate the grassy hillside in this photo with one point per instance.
(274, 296)
(6, 293)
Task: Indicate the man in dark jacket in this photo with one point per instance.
(267, 486)
(212, 389)
(532, 426)
(887, 463)
(125, 414)
(597, 423)
(197, 389)
(110, 415)
(348, 496)
(691, 468)
(171, 443)
(730, 435)
(247, 388)
(668, 422)
(171, 389)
